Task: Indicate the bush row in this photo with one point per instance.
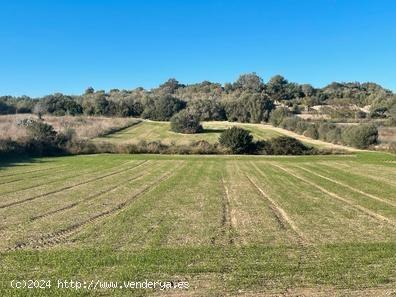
(360, 136)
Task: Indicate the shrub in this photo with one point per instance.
(334, 135)
(360, 115)
(278, 115)
(325, 128)
(263, 147)
(285, 145)
(361, 136)
(185, 122)
(204, 147)
(379, 113)
(302, 126)
(39, 131)
(311, 132)
(289, 123)
(237, 140)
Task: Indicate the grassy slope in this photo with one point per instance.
(160, 131)
(224, 223)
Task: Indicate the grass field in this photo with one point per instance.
(253, 226)
(160, 131)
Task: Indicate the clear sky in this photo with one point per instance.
(66, 46)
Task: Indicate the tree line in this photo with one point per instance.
(248, 99)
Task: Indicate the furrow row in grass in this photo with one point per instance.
(358, 177)
(88, 200)
(183, 212)
(365, 201)
(365, 210)
(279, 213)
(74, 171)
(348, 186)
(68, 200)
(254, 220)
(90, 197)
(225, 234)
(23, 172)
(81, 169)
(31, 183)
(321, 217)
(373, 172)
(66, 188)
(60, 235)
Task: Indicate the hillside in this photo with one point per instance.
(161, 131)
(150, 131)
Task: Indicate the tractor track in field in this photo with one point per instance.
(96, 195)
(47, 214)
(348, 186)
(88, 171)
(58, 237)
(284, 221)
(226, 218)
(226, 225)
(345, 170)
(11, 181)
(280, 215)
(36, 186)
(39, 175)
(362, 209)
(26, 172)
(68, 187)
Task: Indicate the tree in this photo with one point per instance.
(308, 90)
(39, 109)
(162, 108)
(237, 140)
(276, 87)
(280, 89)
(101, 104)
(89, 90)
(277, 115)
(361, 136)
(170, 86)
(207, 109)
(259, 107)
(249, 108)
(5, 108)
(250, 82)
(185, 122)
(59, 104)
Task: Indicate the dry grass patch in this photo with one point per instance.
(84, 126)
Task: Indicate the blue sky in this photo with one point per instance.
(66, 46)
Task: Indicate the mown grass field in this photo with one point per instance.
(149, 131)
(255, 226)
(160, 131)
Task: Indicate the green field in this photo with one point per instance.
(314, 225)
(160, 131)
